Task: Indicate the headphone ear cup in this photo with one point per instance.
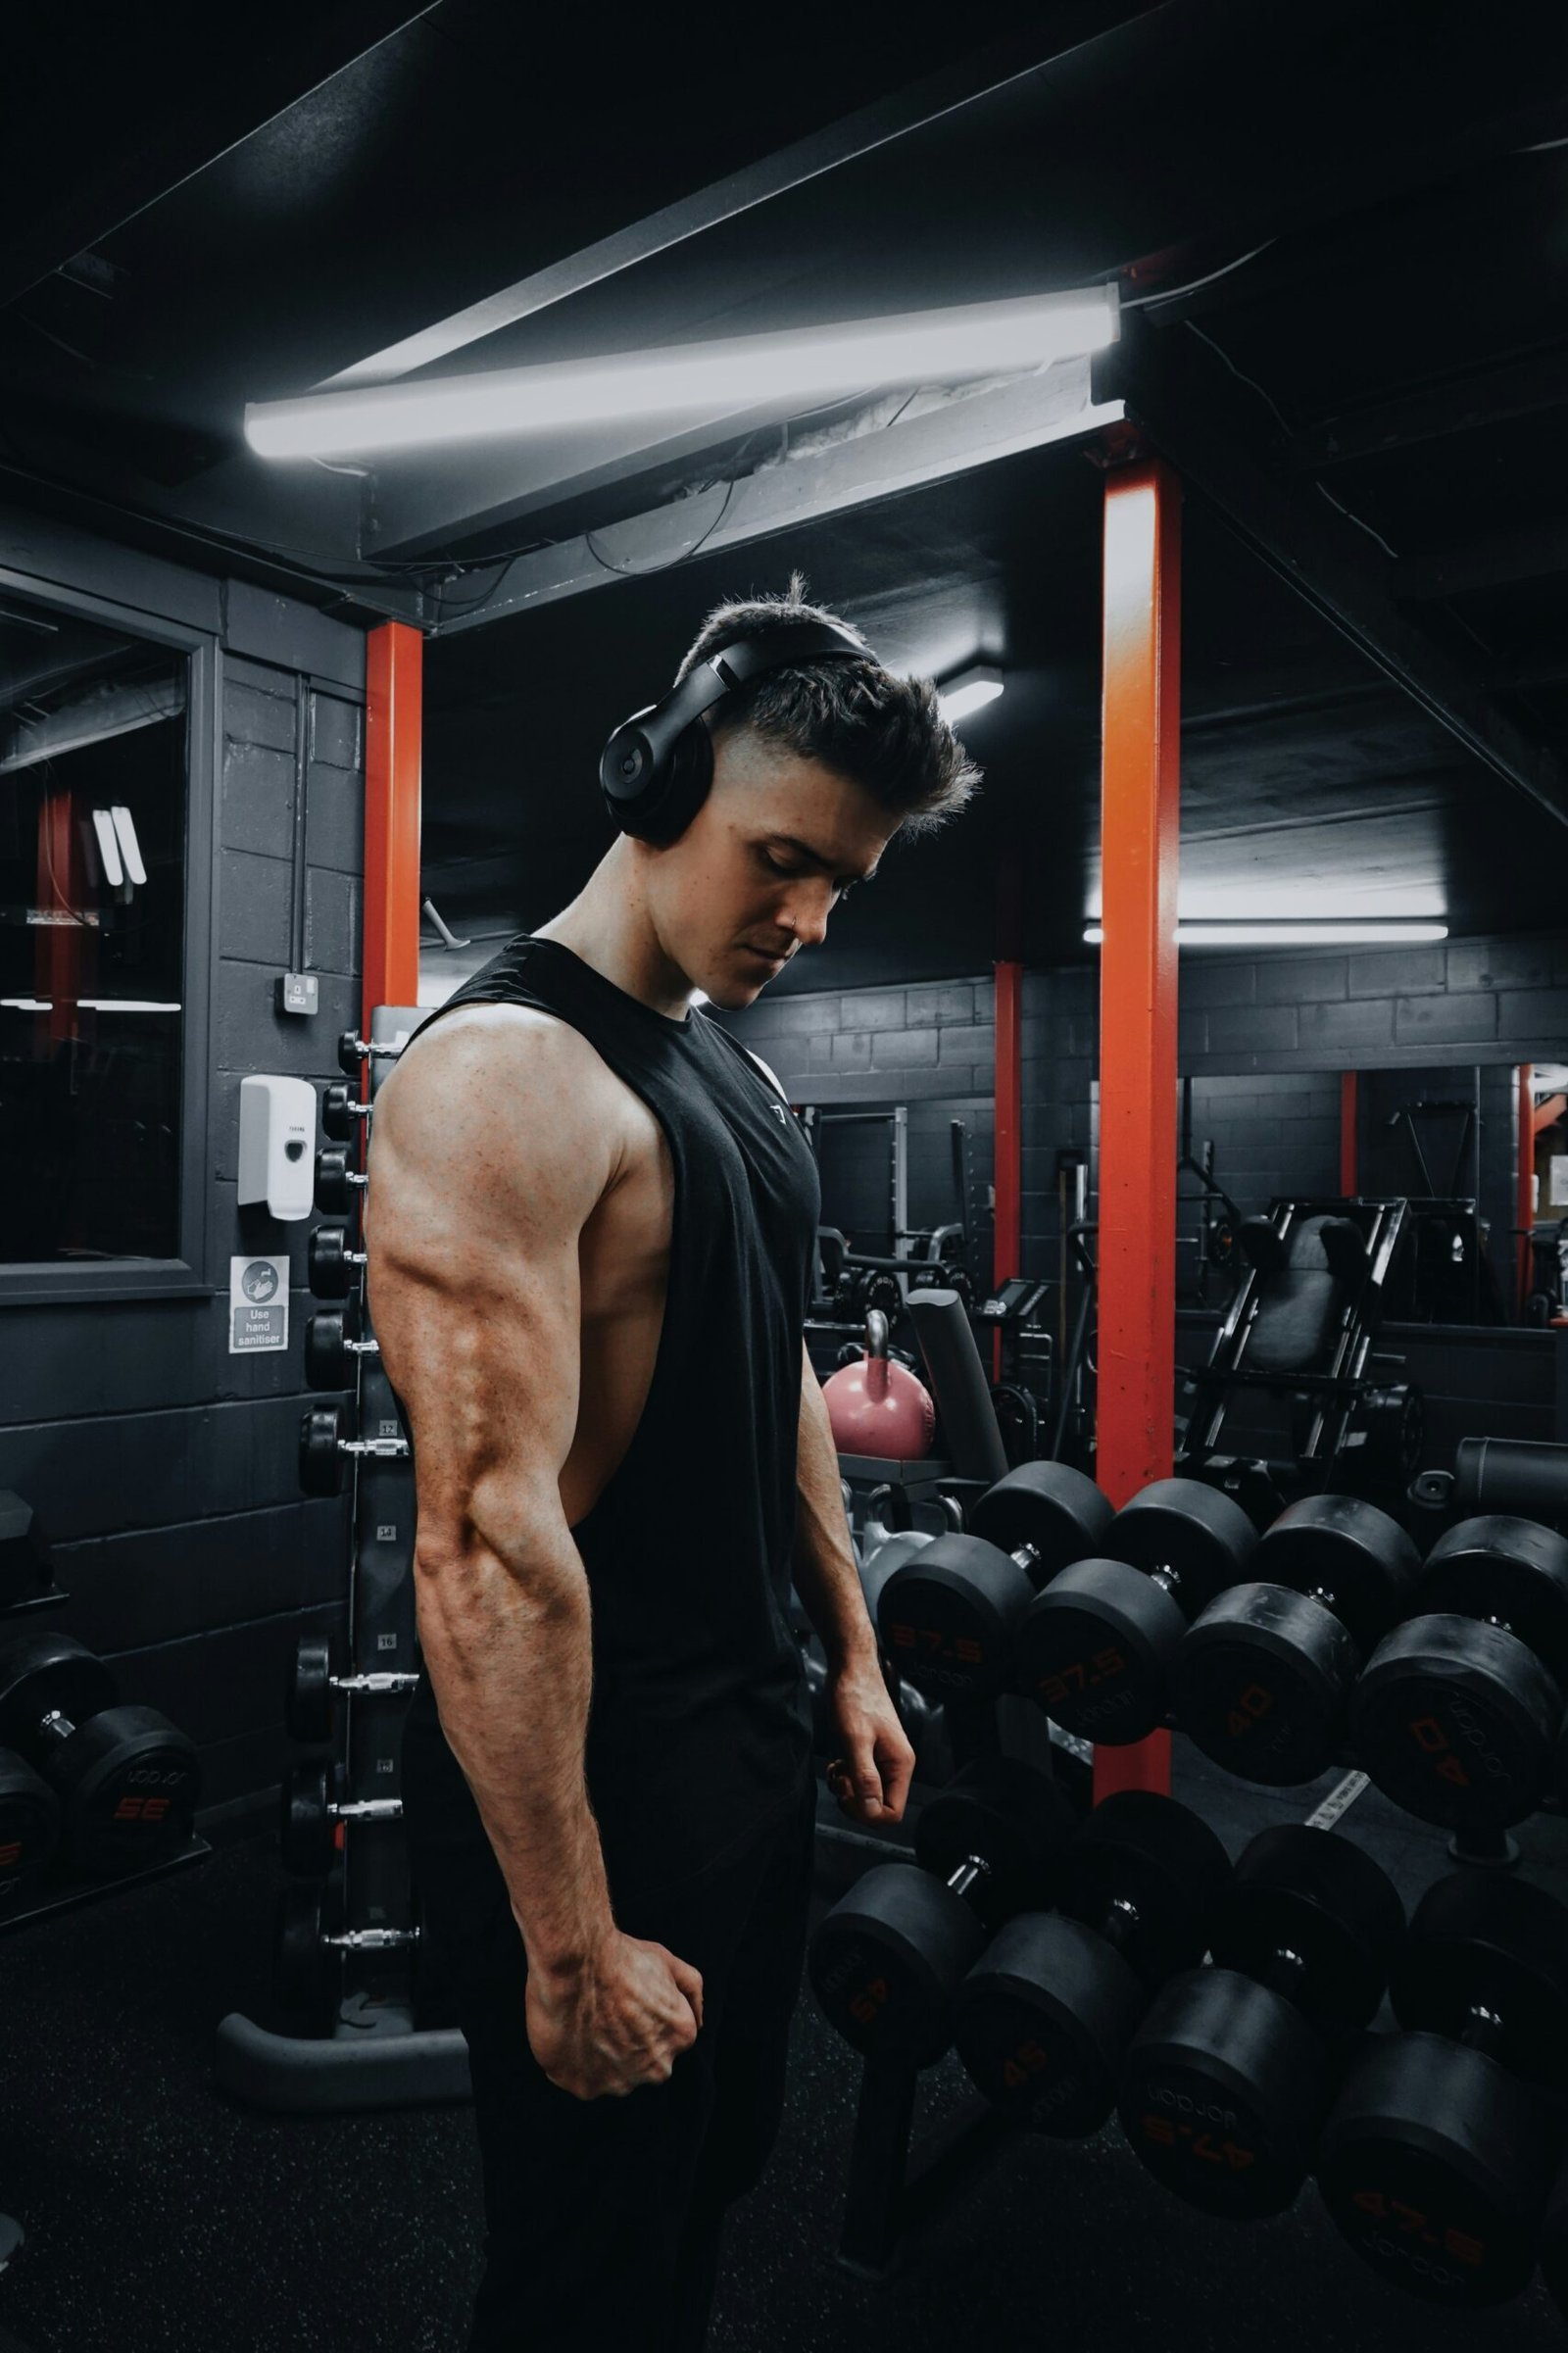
(690, 775)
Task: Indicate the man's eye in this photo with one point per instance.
(774, 866)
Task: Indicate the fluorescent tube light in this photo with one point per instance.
(103, 825)
(1304, 934)
(970, 691)
(916, 347)
(130, 847)
(90, 1005)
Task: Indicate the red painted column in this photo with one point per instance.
(1525, 1216)
(394, 687)
(1140, 790)
(1350, 1114)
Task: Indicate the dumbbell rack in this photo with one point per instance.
(372, 2056)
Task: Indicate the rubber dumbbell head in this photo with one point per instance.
(888, 1959)
(322, 1449)
(1437, 2159)
(1096, 1646)
(29, 1830)
(308, 1970)
(127, 1781)
(337, 1183)
(309, 1707)
(333, 1347)
(1457, 1714)
(341, 1114)
(333, 1269)
(1228, 2078)
(948, 1617)
(1262, 1682)
(1046, 2016)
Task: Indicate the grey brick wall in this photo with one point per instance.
(164, 1467)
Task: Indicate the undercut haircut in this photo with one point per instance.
(884, 733)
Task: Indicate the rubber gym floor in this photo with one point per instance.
(162, 2218)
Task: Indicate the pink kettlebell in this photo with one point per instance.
(877, 1406)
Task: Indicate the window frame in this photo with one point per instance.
(27, 1282)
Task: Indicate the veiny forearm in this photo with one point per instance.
(509, 1650)
(824, 1565)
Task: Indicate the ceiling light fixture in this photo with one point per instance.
(970, 691)
(103, 825)
(1306, 933)
(130, 847)
(766, 372)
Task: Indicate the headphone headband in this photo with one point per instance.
(656, 767)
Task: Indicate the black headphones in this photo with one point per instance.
(656, 769)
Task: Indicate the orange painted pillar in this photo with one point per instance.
(1140, 810)
(1526, 1210)
(394, 694)
(1350, 1114)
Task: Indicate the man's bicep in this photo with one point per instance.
(473, 1241)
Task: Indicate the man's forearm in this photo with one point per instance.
(509, 1650)
(825, 1574)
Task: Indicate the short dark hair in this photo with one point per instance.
(885, 733)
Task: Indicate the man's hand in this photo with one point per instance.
(619, 2021)
(871, 1778)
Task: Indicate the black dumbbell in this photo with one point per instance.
(127, 1781)
(1046, 2016)
(353, 1049)
(314, 1679)
(1096, 1647)
(324, 1449)
(341, 1110)
(1262, 1682)
(331, 1267)
(888, 1959)
(312, 1806)
(29, 1828)
(311, 1943)
(1437, 2160)
(1229, 2076)
(1457, 1714)
(949, 1616)
(332, 1345)
(336, 1183)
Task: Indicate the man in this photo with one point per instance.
(591, 1229)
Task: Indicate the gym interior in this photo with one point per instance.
(1191, 1116)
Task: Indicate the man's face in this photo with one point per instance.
(756, 875)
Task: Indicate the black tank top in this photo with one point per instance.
(700, 1728)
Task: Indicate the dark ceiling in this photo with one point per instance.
(1346, 227)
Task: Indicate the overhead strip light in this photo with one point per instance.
(769, 372)
(1349, 933)
(970, 691)
(103, 825)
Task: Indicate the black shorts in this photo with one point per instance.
(603, 2216)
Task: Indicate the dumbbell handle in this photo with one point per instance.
(352, 1043)
(359, 1347)
(372, 1940)
(1118, 1922)
(961, 1880)
(353, 1176)
(1483, 2030)
(57, 1726)
(386, 1681)
(384, 1450)
(367, 1809)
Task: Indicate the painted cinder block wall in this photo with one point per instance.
(163, 1468)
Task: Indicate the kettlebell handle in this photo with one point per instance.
(876, 1334)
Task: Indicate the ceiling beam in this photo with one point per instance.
(1483, 397)
(951, 437)
(1207, 424)
(220, 90)
(1536, 551)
